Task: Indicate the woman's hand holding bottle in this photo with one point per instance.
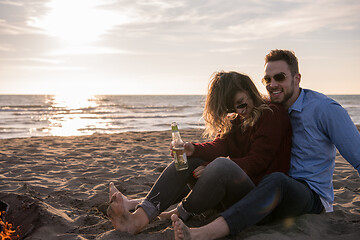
(189, 149)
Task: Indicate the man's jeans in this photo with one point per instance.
(222, 181)
(277, 196)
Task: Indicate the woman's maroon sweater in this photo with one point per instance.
(260, 150)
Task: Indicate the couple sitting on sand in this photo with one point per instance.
(269, 160)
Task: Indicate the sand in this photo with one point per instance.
(57, 188)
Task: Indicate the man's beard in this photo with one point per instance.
(287, 95)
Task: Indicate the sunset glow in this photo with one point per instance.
(172, 47)
(79, 21)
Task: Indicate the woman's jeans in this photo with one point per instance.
(222, 181)
(277, 196)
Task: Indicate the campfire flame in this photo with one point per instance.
(7, 233)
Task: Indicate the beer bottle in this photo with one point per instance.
(178, 149)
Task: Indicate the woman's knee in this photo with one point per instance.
(221, 164)
(223, 167)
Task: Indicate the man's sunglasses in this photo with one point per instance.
(279, 77)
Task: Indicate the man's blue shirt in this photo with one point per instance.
(320, 125)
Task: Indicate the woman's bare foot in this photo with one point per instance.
(130, 204)
(181, 231)
(112, 190)
(122, 219)
(167, 215)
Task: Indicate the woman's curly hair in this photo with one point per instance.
(220, 102)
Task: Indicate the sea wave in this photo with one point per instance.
(46, 115)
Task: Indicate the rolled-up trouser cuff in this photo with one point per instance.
(151, 211)
(183, 214)
(233, 227)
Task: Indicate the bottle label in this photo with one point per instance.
(180, 159)
(174, 127)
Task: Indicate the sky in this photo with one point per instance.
(172, 47)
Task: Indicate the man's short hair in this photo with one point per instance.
(285, 55)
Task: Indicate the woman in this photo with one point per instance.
(253, 139)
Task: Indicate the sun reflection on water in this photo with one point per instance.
(74, 115)
(74, 101)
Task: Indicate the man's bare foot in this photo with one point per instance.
(167, 215)
(130, 204)
(181, 231)
(122, 219)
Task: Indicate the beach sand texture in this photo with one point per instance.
(57, 188)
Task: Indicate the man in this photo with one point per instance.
(320, 125)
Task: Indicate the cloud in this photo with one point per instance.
(49, 68)
(173, 27)
(87, 50)
(243, 20)
(33, 63)
(232, 50)
(36, 60)
(5, 47)
(297, 18)
(7, 28)
(205, 23)
(11, 3)
(15, 14)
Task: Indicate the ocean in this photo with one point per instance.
(61, 115)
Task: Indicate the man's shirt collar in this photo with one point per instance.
(298, 104)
